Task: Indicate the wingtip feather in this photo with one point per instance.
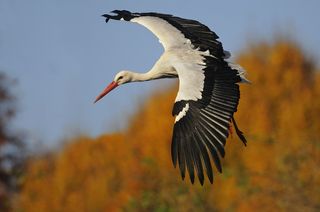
(120, 14)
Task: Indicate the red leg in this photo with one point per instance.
(230, 129)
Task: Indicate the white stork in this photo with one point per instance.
(208, 91)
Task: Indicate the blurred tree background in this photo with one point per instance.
(11, 146)
(132, 170)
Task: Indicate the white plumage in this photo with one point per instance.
(182, 113)
(168, 35)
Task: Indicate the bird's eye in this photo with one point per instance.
(120, 77)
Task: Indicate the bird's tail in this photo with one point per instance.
(241, 72)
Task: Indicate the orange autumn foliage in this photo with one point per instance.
(132, 170)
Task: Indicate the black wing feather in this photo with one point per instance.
(213, 138)
(182, 155)
(206, 159)
(197, 161)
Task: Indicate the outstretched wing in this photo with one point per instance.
(175, 32)
(202, 122)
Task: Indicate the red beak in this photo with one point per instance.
(109, 88)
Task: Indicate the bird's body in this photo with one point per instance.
(208, 92)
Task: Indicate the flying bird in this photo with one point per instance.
(208, 93)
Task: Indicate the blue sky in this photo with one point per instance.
(63, 54)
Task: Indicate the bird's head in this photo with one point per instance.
(121, 78)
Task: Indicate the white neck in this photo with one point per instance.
(150, 75)
(140, 77)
